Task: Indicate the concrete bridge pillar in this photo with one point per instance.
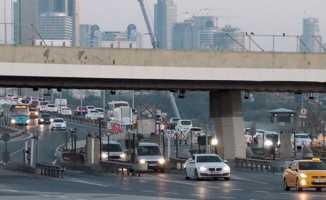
(226, 115)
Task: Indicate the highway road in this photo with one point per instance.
(82, 185)
(79, 185)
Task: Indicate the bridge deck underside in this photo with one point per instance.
(127, 84)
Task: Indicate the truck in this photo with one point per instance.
(60, 103)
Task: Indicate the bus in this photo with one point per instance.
(34, 109)
(20, 115)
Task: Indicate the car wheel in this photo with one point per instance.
(299, 189)
(319, 189)
(162, 170)
(285, 185)
(186, 175)
(196, 175)
(227, 178)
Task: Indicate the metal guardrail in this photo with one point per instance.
(76, 119)
(124, 168)
(273, 166)
(50, 170)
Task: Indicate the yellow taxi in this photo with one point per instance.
(305, 174)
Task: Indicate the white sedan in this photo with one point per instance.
(202, 166)
(58, 124)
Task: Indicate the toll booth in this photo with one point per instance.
(282, 116)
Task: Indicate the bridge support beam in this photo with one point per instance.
(226, 115)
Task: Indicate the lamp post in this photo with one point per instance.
(100, 136)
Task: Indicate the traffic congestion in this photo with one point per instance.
(154, 144)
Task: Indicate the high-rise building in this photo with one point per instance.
(26, 21)
(165, 17)
(69, 8)
(203, 32)
(183, 35)
(311, 40)
(229, 38)
(55, 27)
(90, 35)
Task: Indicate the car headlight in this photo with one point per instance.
(41, 120)
(51, 120)
(105, 155)
(161, 161)
(268, 143)
(226, 168)
(303, 175)
(142, 161)
(123, 156)
(36, 113)
(28, 121)
(202, 169)
(13, 121)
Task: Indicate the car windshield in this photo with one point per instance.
(58, 120)
(148, 151)
(45, 116)
(312, 166)
(208, 159)
(302, 136)
(186, 123)
(112, 147)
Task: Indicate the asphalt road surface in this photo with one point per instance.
(81, 185)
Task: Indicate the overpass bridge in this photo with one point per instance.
(223, 74)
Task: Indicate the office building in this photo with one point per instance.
(90, 35)
(165, 12)
(116, 39)
(183, 35)
(310, 40)
(229, 38)
(26, 21)
(56, 26)
(203, 32)
(69, 8)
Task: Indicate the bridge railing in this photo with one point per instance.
(124, 168)
(50, 170)
(272, 166)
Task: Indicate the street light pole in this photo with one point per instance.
(100, 136)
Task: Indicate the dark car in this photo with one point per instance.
(44, 119)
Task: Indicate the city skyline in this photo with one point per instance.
(243, 15)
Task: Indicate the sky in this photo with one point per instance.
(261, 16)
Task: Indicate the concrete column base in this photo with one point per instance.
(226, 115)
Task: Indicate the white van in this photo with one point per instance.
(150, 154)
(183, 126)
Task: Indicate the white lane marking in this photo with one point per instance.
(18, 151)
(189, 183)
(76, 180)
(261, 191)
(248, 180)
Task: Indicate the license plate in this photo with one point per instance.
(319, 181)
(152, 165)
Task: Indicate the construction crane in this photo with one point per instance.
(154, 41)
(155, 45)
